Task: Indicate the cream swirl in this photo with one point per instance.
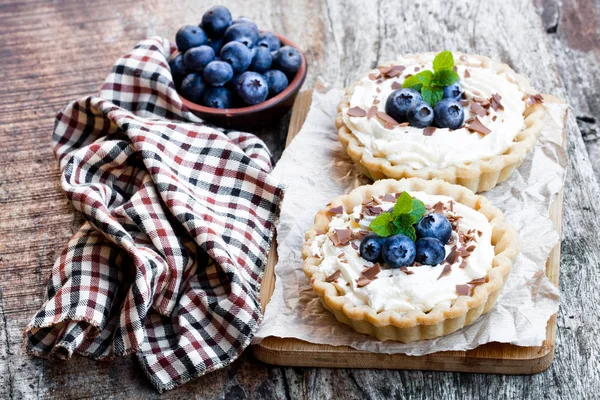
(406, 145)
(394, 289)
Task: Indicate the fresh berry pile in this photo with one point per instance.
(430, 97)
(225, 63)
(406, 235)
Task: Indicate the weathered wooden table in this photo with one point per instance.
(55, 51)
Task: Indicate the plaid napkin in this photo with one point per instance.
(179, 219)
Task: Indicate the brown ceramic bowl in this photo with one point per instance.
(264, 113)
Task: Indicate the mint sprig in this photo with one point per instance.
(431, 84)
(400, 219)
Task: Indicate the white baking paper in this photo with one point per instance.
(316, 169)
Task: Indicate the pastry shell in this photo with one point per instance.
(415, 325)
(477, 175)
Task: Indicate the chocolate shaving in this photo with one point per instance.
(341, 254)
(471, 248)
(386, 118)
(477, 109)
(417, 69)
(378, 89)
(477, 126)
(341, 237)
(336, 210)
(318, 256)
(396, 85)
(372, 211)
(451, 259)
(384, 70)
(463, 290)
(368, 275)
(360, 234)
(371, 112)
(535, 99)
(389, 198)
(445, 271)
(462, 58)
(430, 130)
(463, 264)
(347, 283)
(354, 245)
(376, 101)
(455, 69)
(406, 270)
(495, 100)
(476, 93)
(379, 81)
(356, 112)
(438, 208)
(477, 281)
(494, 118)
(404, 124)
(333, 277)
(464, 103)
(451, 205)
(486, 104)
(374, 75)
(395, 71)
(479, 233)
(467, 73)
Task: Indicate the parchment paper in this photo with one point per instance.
(316, 169)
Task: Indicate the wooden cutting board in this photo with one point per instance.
(499, 358)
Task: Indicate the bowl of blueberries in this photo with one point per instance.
(234, 75)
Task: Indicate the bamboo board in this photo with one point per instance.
(499, 358)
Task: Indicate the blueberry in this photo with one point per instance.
(370, 247)
(242, 19)
(288, 60)
(261, 61)
(218, 73)
(238, 55)
(398, 250)
(177, 69)
(216, 44)
(276, 80)
(196, 58)
(399, 101)
(193, 87)
(420, 115)
(453, 91)
(216, 20)
(190, 36)
(434, 225)
(430, 251)
(252, 88)
(218, 97)
(268, 40)
(243, 32)
(449, 114)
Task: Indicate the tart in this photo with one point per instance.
(412, 302)
(502, 118)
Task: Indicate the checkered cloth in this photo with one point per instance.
(179, 219)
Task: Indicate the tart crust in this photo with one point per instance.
(415, 325)
(478, 175)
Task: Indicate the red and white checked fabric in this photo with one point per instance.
(179, 219)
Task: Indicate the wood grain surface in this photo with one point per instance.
(55, 51)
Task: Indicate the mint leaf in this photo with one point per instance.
(383, 225)
(432, 95)
(410, 81)
(404, 225)
(424, 77)
(403, 204)
(418, 210)
(444, 78)
(444, 61)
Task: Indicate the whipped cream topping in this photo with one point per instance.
(407, 145)
(414, 287)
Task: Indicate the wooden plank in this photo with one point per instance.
(491, 358)
(54, 52)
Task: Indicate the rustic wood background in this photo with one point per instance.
(52, 52)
